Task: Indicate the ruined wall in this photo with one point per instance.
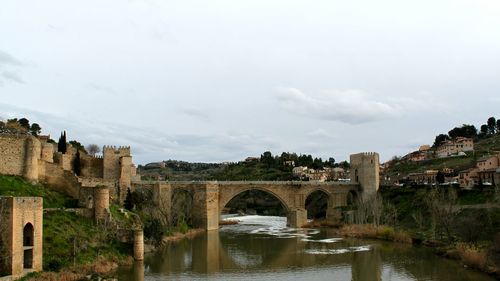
(365, 171)
(23, 211)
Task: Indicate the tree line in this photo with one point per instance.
(491, 127)
(20, 126)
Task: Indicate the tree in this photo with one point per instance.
(484, 130)
(440, 177)
(61, 144)
(25, 123)
(439, 139)
(35, 129)
(127, 204)
(498, 126)
(267, 158)
(492, 122)
(77, 145)
(93, 149)
(77, 165)
(441, 204)
(466, 131)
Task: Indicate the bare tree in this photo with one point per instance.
(93, 149)
(442, 206)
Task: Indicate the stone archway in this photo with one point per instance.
(316, 204)
(225, 198)
(181, 208)
(28, 243)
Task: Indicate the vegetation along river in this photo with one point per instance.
(262, 248)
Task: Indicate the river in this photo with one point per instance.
(262, 248)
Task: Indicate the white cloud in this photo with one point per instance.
(13, 76)
(352, 106)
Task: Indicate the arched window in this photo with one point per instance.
(28, 235)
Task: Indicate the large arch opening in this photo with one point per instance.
(28, 237)
(255, 202)
(181, 207)
(317, 205)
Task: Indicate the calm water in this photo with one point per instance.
(262, 248)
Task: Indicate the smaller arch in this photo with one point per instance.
(28, 235)
(181, 206)
(317, 203)
(351, 198)
(28, 243)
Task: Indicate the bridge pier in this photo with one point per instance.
(206, 212)
(296, 218)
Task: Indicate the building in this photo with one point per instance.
(454, 147)
(21, 235)
(427, 177)
(484, 172)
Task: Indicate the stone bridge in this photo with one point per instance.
(210, 197)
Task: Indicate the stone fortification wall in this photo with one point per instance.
(111, 158)
(19, 156)
(61, 180)
(92, 166)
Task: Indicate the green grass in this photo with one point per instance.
(68, 235)
(17, 186)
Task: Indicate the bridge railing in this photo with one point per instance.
(252, 182)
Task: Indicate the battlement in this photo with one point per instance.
(112, 148)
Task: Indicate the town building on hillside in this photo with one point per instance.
(252, 159)
(454, 147)
(484, 172)
(427, 177)
(468, 178)
(423, 153)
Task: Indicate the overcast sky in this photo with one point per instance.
(223, 80)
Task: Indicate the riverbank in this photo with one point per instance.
(102, 269)
(484, 258)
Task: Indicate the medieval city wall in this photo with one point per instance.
(12, 155)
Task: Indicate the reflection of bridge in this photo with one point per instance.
(209, 198)
(209, 254)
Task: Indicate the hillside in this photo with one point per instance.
(68, 238)
(401, 168)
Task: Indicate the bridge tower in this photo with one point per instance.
(365, 168)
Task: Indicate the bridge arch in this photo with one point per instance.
(224, 199)
(317, 202)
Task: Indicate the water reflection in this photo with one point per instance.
(251, 251)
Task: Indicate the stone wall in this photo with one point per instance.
(19, 156)
(24, 213)
(92, 166)
(61, 180)
(365, 169)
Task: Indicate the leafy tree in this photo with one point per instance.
(498, 126)
(267, 158)
(439, 139)
(35, 129)
(440, 177)
(77, 145)
(492, 122)
(484, 130)
(128, 204)
(25, 123)
(77, 165)
(467, 131)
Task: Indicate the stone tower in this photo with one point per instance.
(117, 163)
(22, 218)
(365, 172)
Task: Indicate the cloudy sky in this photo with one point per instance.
(223, 80)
